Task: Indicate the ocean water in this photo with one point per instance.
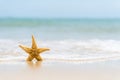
(69, 39)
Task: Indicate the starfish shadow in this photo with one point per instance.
(34, 65)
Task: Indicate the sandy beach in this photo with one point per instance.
(57, 70)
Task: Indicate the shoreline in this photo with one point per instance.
(54, 70)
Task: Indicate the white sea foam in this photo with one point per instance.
(73, 50)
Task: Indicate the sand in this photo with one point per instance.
(60, 70)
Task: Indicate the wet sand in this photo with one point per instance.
(56, 70)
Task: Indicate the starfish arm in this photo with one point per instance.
(34, 45)
(38, 58)
(26, 49)
(40, 50)
(30, 58)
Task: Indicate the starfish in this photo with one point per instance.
(34, 51)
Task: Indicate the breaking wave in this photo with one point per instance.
(67, 50)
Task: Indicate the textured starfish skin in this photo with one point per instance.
(34, 51)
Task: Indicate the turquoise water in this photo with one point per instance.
(60, 28)
(68, 39)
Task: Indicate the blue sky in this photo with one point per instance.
(60, 8)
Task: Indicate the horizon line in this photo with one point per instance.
(57, 18)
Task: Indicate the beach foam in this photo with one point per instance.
(67, 50)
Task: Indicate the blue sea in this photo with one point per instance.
(68, 39)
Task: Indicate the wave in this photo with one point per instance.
(64, 50)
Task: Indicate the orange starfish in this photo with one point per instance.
(34, 51)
